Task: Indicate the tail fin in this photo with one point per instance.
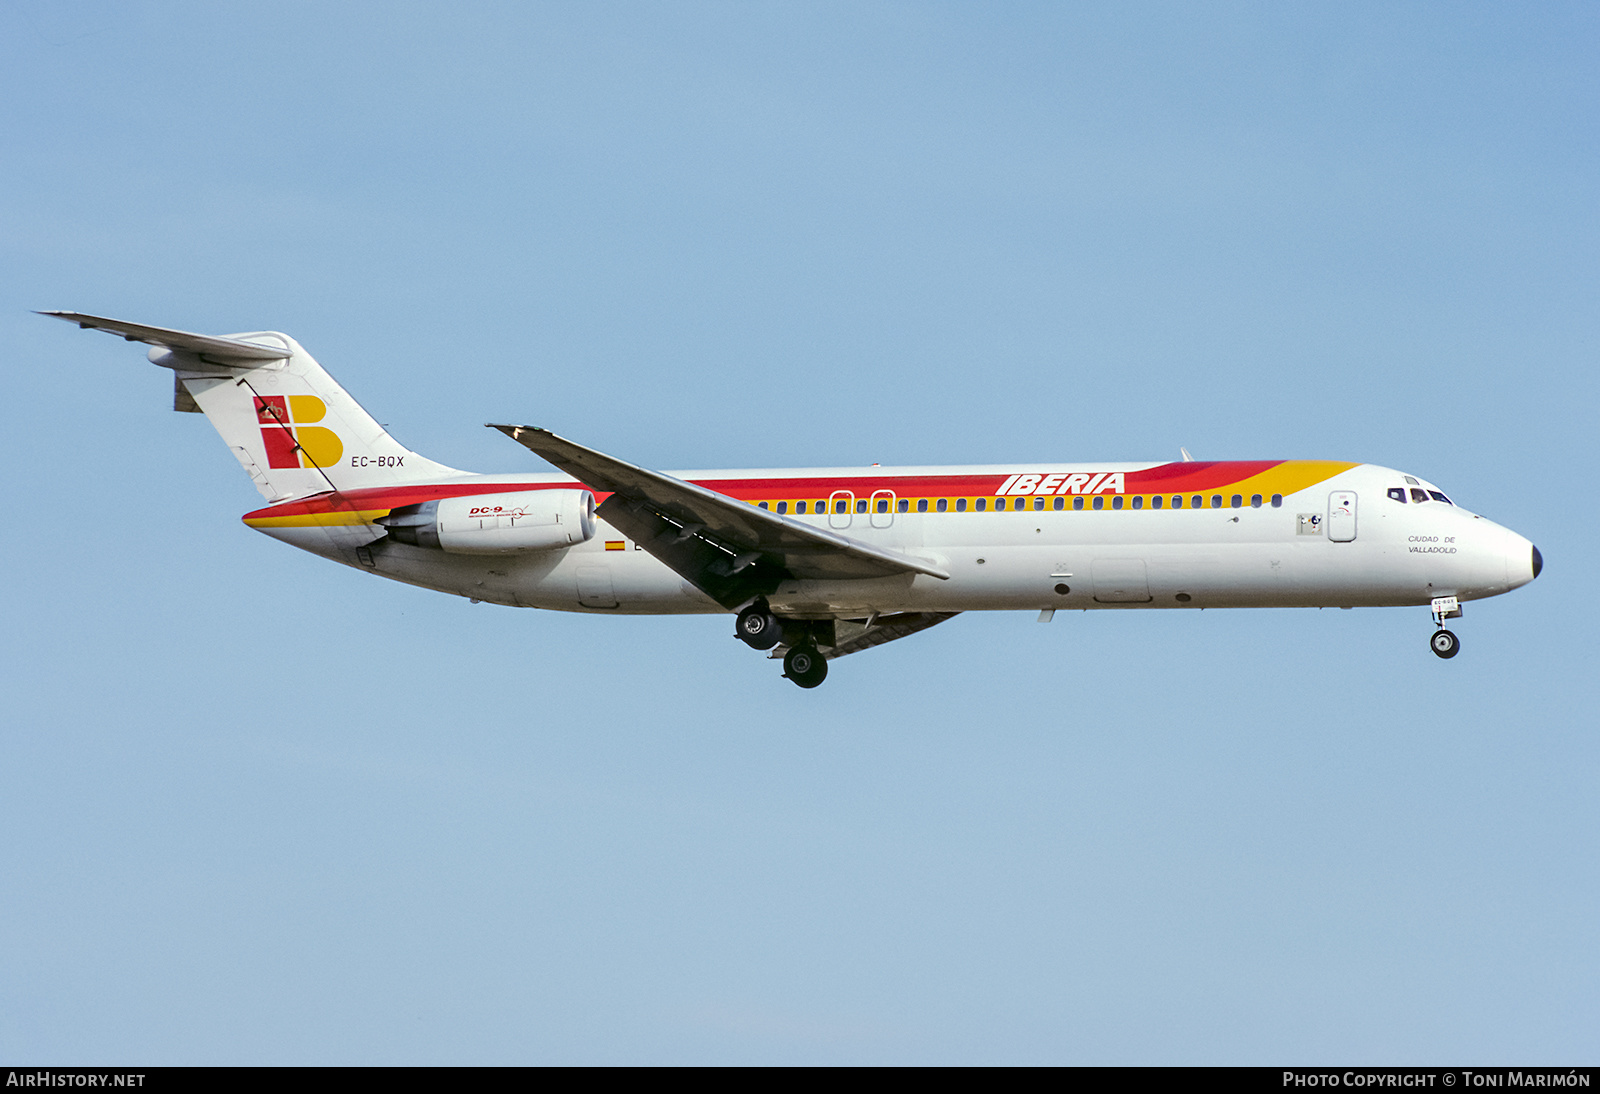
(293, 429)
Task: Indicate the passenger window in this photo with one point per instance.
(839, 506)
(922, 505)
(960, 505)
(1116, 502)
(761, 504)
(1038, 503)
(1236, 501)
(1077, 503)
(1138, 503)
(783, 507)
(1216, 501)
(1099, 501)
(1060, 503)
(1197, 502)
(1436, 496)
(1255, 501)
(1277, 501)
(901, 505)
(1155, 502)
(1418, 495)
(1177, 501)
(999, 505)
(979, 504)
(1397, 493)
(861, 505)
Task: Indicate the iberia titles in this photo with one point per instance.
(1077, 483)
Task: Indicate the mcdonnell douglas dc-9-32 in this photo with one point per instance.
(817, 563)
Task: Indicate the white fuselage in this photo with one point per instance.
(1399, 553)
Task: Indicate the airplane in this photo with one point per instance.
(819, 563)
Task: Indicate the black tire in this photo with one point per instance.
(1444, 644)
(806, 666)
(758, 628)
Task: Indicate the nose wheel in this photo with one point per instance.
(1444, 643)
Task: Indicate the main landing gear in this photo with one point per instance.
(1444, 643)
(759, 629)
(806, 666)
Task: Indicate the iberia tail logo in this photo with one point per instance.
(291, 438)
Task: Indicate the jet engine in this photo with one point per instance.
(496, 524)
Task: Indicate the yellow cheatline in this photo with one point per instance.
(318, 520)
(1287, 478)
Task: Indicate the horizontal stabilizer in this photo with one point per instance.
(224, 350)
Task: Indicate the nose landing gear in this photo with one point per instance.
(1444, 643)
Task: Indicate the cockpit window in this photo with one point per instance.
(1398, 493)
(1436, 496)
(1418, 494)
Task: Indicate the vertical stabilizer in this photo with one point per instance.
(291, 427)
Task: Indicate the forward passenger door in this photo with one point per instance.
(1341, 516)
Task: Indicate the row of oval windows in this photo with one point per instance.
(903, 505)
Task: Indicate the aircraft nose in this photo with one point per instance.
(1523, 561)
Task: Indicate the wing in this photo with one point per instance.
(851, 636)
(730, 550)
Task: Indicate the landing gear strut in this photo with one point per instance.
(805, 665)
(1444, 643)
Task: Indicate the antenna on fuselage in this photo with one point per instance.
(1186, 457)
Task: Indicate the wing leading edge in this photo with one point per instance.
(728, 549)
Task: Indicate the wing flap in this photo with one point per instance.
(851, 637)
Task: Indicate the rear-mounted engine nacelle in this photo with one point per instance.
(496, 524)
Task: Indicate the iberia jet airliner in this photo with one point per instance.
(817, 563)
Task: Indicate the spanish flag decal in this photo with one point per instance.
(616, 545)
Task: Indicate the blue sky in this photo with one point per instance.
(262, 809)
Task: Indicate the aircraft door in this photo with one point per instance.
(594, 587)
(1120, 581)
(841, 504)
(881, 510)
(1342, 516)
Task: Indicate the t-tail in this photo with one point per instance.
(293, 430)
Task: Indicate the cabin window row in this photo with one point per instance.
(978, 505)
